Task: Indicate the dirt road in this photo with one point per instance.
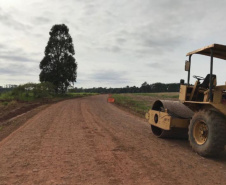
(89, 141)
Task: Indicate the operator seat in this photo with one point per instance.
(203, 92)
(200, 90)
(206, 82)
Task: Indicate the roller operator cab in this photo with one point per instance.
(200, 113)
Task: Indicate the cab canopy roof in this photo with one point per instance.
(219, 51)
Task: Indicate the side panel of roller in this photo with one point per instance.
(169, 119)
(165, 121)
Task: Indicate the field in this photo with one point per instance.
(140, 103)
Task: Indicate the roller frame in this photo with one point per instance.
(165, 120)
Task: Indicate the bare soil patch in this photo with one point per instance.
(17, 119)
(15, 108)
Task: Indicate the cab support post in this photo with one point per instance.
(189, 69)
(211, 73)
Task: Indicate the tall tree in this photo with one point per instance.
(58, 65)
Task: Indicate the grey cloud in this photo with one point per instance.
(91, 8)
(41, 20)
(15, 58)
(164, 66)
(16, 70)
(2, 46)
(172, 27)
(37, 53)
(14, 54)
(8, 20)
(131, 33)
(111, 48)
(154, 65)
(8, 71)
(39, 35)
(121, 40)
(105, 78)
(110, 76)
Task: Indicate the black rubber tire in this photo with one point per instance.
(216, 138)
(174, 133)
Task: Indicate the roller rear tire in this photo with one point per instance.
(207, 133)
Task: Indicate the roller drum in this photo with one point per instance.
(174, 109)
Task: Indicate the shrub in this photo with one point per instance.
(31, 91)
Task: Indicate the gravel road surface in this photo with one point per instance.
(89, 141)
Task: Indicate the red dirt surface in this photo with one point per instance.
(15, 109)
(89, 141)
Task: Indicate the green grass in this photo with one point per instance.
(81, 94)
(158, 95)
(29, 96)
(6, 96)
(141, 102)
(25, 96)
(139, 107)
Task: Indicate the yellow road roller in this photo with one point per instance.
(200, 113)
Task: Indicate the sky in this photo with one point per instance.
(117, 42)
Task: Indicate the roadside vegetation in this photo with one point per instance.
(35, 93)
(131, 103)
(159, 95)
(140, 103)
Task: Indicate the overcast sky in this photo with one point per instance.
(117, 42)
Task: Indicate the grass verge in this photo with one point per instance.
(158, 95)
(130, 103)
(140, 103)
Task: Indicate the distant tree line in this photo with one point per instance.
(145, 88)
(7, 88)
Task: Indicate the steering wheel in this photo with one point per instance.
(198, 77)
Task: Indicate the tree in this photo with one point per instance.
(145, 87)
(58, 65)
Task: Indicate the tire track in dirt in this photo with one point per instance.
(141, 174)
(119, 168)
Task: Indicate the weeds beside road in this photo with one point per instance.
(140, 103)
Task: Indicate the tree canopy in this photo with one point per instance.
(58, 65)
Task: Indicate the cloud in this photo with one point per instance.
(155, 65)
(41, 20)
(8, 71)
(15, 58)
(139, 40)
(8, 20)
(105, 78)
(16, 70)
(14, 54)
